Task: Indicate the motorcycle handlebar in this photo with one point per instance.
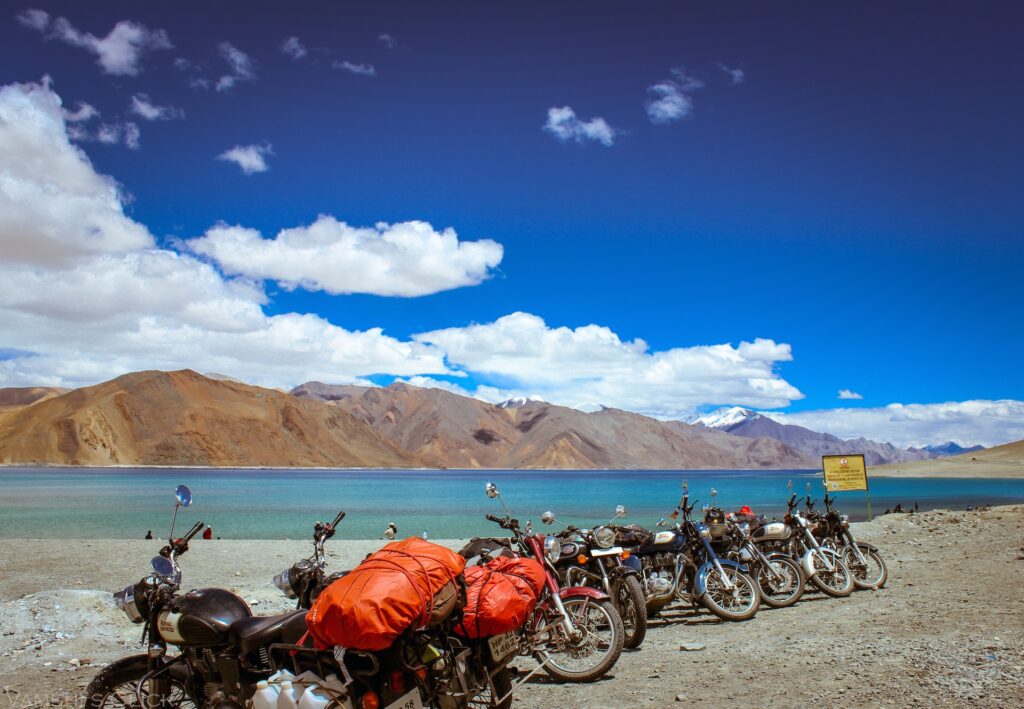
(792, 500)
(193, 532)
(510, 524)
(341, 516)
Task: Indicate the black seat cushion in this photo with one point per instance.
(250, 634)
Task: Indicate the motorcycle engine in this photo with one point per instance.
(659, 582)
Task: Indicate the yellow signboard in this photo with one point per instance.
(844, 472)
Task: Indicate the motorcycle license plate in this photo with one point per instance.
(502, 645)
(409, 700)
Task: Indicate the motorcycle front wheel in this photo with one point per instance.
(870, 574)
(596, 648)
(740, 602)
(114, 687)
(783, 585)
(837, 581)
(630, 602)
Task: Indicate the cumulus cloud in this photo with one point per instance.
(407, 259)
(294, 48)
(388, 41)
(251, 158)
(521, 355)
(967, 423)
(736, 76)
(240, 65)
(88, 295)
(141, 105)
(847, 394)
(671, 99)
(119, 53)
(566, 127)
(360, 69)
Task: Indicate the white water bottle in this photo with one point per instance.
(289, 696)
(314, 698)
(265, 696)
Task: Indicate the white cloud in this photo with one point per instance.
(251, 158)
(84, 113)
(968, 423)
(294, 48)
(406, 259)
(565, 126)
(87, 295)
(119, 53)
(126, 133)
(360, 69)
(672, 100)
(736, 76)
(241, 68)
(521, 355)
(54, 207)
(847, 394)
(141, 105)
(388, 41)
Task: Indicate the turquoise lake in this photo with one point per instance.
(283, 504)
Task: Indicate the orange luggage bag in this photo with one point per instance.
(500, 596)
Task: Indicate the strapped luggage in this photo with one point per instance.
(408, 583)
(500, 596)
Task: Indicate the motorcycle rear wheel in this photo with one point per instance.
(629, 599)
(595, 652)
(114, 687)
(782, 592)
(739, 603)
(502, 681)
(837, 582)
(871, 575)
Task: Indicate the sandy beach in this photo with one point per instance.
(945, 630)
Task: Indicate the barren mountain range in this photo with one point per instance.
(184, 418)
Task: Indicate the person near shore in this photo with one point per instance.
(898, 508)
(887, 511)
(149, 534)
(391, 531)
(208, 533)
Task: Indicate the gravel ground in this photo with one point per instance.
(945, 631)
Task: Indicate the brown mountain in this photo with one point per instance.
(447, 430)
(1005, 461)
(183, 418)
(23, 396)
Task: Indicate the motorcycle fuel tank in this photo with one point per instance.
(201, 617)
(772, 532)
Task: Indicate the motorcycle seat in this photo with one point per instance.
(249, 634)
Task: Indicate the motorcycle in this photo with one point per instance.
(590, 557)
(682, 564)
(575, 633)
(822, 565)
(230, 659)
(305, 579)
(864, 560)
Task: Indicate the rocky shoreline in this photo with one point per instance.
(945, 631)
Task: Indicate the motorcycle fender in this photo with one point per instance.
(807, 563)
(700, 581)
(633, 563)
(623, 571)
(577, 591)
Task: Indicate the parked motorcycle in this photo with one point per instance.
(822, 566)
(590, 557)
(681, 563)
(305, 579)
(575, 633)
(863, 559)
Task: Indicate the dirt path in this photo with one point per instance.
(946, 630)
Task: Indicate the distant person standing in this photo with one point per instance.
(149, 534)
(208, 533)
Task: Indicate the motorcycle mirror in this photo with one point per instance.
(162, 566)
(528, 528)
(686, 487)
(662, 522)
(808, 488)
(548, 517)
(492, 490)
(789, 484)
(184, 495)
(714, 494)
(620, 511)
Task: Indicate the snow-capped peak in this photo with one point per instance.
(517, 401)
(727, 416)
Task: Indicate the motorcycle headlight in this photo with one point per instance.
(284, 582)
(604, 537)
(552, 549)
(745, 529)
(704, 531)
(125, 601)
(845, 520)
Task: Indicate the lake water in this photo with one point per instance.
(284, 504)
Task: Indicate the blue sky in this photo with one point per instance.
(843, 182)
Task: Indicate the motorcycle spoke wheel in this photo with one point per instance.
(739, 602)
(500, 686)
(114, 688)
(870, 574)
(837, 581)
(784, 587)
(596, 649)
(629, 600)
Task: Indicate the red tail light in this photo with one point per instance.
(397, 682)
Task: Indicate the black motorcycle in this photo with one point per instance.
(591, 557)
(863, 559)
(681, 563)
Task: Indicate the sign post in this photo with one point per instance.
(846, 472)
